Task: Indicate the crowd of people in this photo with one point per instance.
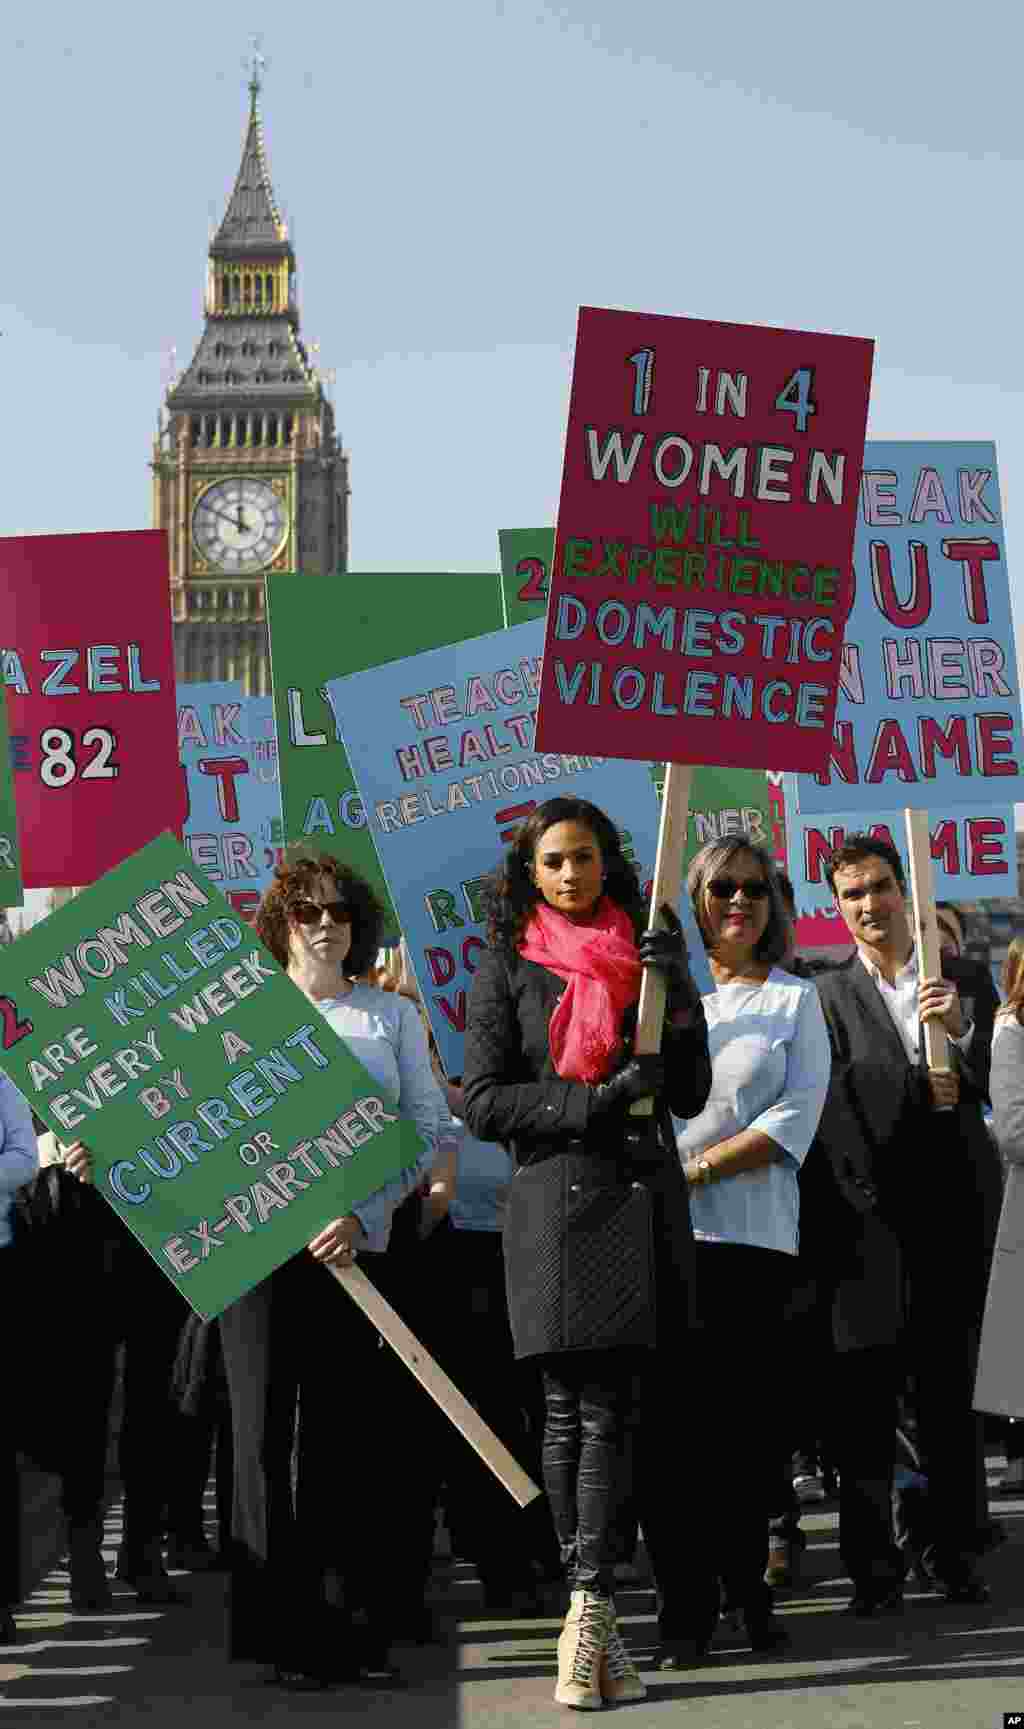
(620, 1257)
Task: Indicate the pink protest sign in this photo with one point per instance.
(702, 569)
(88, 661)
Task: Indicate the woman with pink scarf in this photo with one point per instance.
(597, 1237)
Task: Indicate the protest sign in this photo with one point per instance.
(88, 661)
(10, 847)
(442, 748)
(701, 576)
(525, 555)
(929, 710)
(722, 801)
(228, 749)
(227, 1121)
(324, 627)
(973, 849)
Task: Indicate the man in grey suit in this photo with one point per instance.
(908, 1153)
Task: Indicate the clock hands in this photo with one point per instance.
(212, 508)
(237, 520)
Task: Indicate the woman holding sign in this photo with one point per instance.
(596, 1222)
(742, 1155)
(304, 1365)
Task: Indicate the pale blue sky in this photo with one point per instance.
(459, 178)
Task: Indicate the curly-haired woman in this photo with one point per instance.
(596, 1224)
(304, 1365)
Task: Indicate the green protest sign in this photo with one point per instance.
(325, 627)
(725, 802)
(526, 555)
(227, 1120)
(11, 894)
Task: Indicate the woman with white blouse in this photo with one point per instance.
(304, 1366)
(741, 1156)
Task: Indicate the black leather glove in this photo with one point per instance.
(639, 1078)
(666, 950)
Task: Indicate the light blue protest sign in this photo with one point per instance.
(441, 745)
(973, 850)
(228, 748)
(929, 703)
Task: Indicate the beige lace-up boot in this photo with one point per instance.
(620, 1681)
(581, 1647)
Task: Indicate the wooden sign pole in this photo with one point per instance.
(668, 882)
(433, 1379)
(926, 929)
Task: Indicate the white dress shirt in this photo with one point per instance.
(900, 999)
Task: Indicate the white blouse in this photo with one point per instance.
(770, 1064)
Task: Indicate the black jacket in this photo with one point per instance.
(979, 1000)
(914, 1193)
(570, 1225)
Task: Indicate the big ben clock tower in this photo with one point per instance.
(248, 473)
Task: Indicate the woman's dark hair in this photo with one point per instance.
(295, 880)
(510, 896)
(716, 857)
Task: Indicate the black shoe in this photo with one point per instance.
(381, 1672)
(968, 1587)
(417, 1627)
(518, 1602)
(144, 1570)
(766, 1634)
(192, 1555)
(873, 1600)
(90, 1588)
(959, 1580)
(681, 1653)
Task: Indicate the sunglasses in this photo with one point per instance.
(723, 888)
(311, 912)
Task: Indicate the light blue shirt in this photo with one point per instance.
(19, 1153)
(481, 1186)
(385, 1033)
(770, 1064)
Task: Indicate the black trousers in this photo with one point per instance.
(867, 1385)
(728, 1372)
(158, 1471)
(336, 1466)
(592, 1399)
(10, 1491)
(476, 1350)
(803, 1385)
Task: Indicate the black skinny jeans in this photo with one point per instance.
(591, 1399)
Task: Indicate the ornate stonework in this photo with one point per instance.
(249, 408)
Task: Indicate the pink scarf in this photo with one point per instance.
(600, 963)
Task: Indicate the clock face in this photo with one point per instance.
(239, 525)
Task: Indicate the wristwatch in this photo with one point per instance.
(703, 1170)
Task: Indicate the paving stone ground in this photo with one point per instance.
(936, 1665)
